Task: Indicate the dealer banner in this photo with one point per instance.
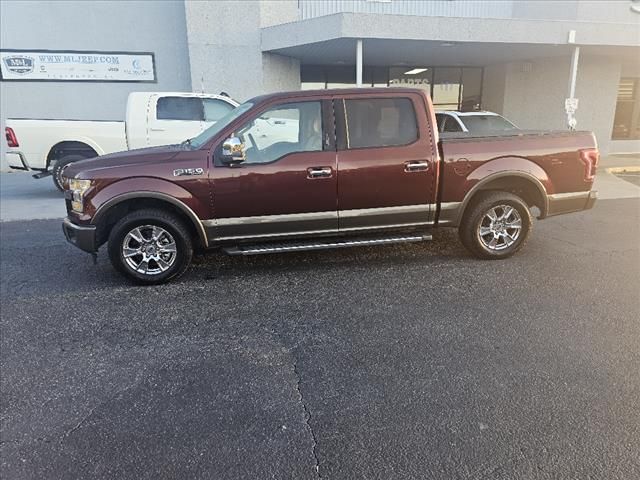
(42, 65)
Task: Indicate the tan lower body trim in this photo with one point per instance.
(281, 225)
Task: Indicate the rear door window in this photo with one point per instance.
(380, 122)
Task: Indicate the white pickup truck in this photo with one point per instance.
(152, 118)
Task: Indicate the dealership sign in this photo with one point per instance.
(39, 65)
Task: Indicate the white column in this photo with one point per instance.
(359, 63)
(571, 103)
(574, 72)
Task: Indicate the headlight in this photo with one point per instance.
(78, 188)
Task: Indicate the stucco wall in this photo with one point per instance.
(533, 93)
(157, 27)
(224, 41)
(597, 89)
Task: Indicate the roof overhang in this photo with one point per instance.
(407, 39)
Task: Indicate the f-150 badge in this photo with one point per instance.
(179, 172)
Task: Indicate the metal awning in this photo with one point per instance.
(416, 40)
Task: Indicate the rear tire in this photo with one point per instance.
(150, 246)
(59, 165)
(496, 226)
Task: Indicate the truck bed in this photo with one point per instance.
(551, 156)
(38, 136)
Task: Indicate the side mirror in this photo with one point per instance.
(233, 151)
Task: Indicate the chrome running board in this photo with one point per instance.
(322, 245)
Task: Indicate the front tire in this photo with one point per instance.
(150, 246)
(496, 226)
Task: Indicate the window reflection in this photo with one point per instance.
(446, 88)
(418, 77)
(471, 89)
(626, 122)
(451, 88)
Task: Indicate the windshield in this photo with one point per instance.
(487, 123)
(214, 129)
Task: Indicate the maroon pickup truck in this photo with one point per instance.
(323, 169)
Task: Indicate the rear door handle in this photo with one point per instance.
(416, 166)
(319, 172)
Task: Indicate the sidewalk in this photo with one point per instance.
(614, 161)
(608, 185)
(25, 198)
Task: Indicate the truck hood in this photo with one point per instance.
(85, 168)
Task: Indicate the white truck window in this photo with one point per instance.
(451, 124)
(215, 109)
(488, 123)
(179, 108)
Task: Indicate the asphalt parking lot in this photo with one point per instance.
(412, 361)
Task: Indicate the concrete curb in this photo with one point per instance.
(629, 169)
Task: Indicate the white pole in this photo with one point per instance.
(359, 63)
(571, 103)
(574, 72)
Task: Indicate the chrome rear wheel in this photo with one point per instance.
(500, 227)
(496, 225)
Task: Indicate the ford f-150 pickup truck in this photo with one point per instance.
(334, 168)
(152, 118)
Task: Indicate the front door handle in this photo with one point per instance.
(319, 172)
(416, 167)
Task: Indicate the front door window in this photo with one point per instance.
(282, 130)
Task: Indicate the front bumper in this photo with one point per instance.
(83, 237)
(571, 202)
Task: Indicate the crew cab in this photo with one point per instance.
(152, 118)
(323, 169)
(477, 122)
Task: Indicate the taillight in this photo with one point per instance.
(589, 158)
(10, 135)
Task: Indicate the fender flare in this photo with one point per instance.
(184, 208)
(494, 176)
(87, 141)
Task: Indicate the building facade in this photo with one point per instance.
(520, 58)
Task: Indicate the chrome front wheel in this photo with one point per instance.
(150, 246)
(149, 249)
